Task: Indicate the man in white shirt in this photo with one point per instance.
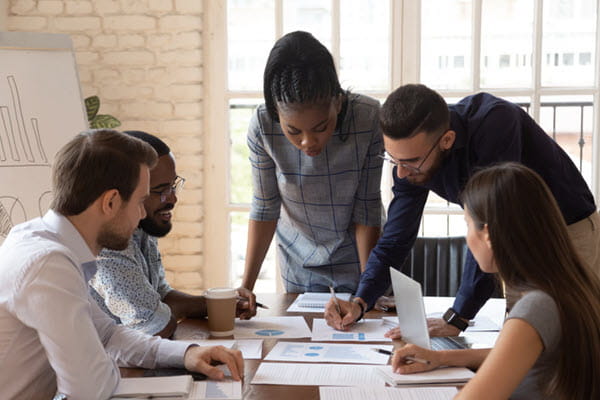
(52, 337)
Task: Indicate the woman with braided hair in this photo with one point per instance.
(314, 151)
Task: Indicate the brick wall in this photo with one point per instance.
(143, 58)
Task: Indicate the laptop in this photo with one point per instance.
(411, 315)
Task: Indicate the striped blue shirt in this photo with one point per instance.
(318, 200)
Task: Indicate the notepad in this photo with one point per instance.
(440, 376)
(163, 386)
(314, 302)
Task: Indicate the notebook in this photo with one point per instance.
(163, 386)
(440, 376)
(411, 315)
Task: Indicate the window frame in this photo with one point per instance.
(405, 44)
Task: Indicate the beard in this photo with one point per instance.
(110, 238)
(157, 228)
(424, 177)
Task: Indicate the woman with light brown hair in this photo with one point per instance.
(549, 347)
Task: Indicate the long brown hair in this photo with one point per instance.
(532, 249)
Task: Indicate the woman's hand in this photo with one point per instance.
(412, 358)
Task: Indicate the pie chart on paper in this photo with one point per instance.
(269, 332)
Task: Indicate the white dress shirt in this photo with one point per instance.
(53, 336)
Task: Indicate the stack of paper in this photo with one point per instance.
(164, 386)
(328, 352)
(440, 376)
(316, 375)
(314, 302)
(386, 393)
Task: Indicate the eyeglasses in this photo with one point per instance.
(412, 169)
(172, 189)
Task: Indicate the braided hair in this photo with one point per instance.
(299, 70)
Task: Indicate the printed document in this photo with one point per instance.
(316, 375)
(387, 393)
(368, 330)
(271, 327)
(314, 302)
(328, 352)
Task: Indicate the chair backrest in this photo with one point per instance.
(437, 264)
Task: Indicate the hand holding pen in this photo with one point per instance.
(412, 358)
(340, 314)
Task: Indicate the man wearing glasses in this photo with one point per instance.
(435, 147)
(130, 285)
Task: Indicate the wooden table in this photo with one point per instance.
(190, 329)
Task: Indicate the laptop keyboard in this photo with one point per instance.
(446, 343)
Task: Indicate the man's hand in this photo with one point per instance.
(394, 333)
(246, 304)
(412, 358)
(349, 312)
(202, 358)
(439, 327)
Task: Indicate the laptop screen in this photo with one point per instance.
(411, 311)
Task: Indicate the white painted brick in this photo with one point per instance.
(159, 41)
(133, 75)
(147, 110)
(85, 75)
(160, 5)
(81, 41)
(120, 92)
(134, 6)
(189, 110)
(86, 57)
(179, 23)
(50, 7)
(105, 41)
(123, 58)
(170, 276)
(157, 75)
(179, 127)
(18, 23)
(139, 125)
(183, 144)
(181, 92)
(190, 245)
(191, 229)
(22, 7)
(189, 213)
(79, 7)
(183, 57)
(183, 263)
(188, 74)
(105, 76)
(131, 41)
(111, 108)
(188, 6)
(107, 6)
(186, 280)
(77, 23)
(130, 23)
(185, 40)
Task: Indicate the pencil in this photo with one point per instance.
(407, 358)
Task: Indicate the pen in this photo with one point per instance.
(407, 358)
(337, 303)
(257, 303)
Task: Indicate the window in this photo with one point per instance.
(546, 62)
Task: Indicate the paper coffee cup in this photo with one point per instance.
(220, 305)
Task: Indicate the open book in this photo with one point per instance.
(163, 386)
(440, 376)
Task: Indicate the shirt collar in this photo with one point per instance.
(69, 235)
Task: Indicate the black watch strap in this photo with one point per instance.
(451, 317)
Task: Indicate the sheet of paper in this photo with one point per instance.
(328, 352)
(316, 375)
(276, 327)
(251, 349)
(436, 376)
(387, 393)
(225, 343)
(480, 323)
(368, 330)
(314, 302)
(225, 389)
(163, 386)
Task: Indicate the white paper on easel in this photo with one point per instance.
(368, 330)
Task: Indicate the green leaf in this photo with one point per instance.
(92, 105)
(104, 122)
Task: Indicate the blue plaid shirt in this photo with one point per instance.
(318, 200)
(129, 285)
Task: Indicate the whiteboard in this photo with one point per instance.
(41, 108)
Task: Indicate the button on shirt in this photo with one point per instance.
(488, 130)
(53, 336)
(318, 200)
(130, 285)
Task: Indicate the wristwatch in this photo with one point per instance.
(451, 317)
(362, 307)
